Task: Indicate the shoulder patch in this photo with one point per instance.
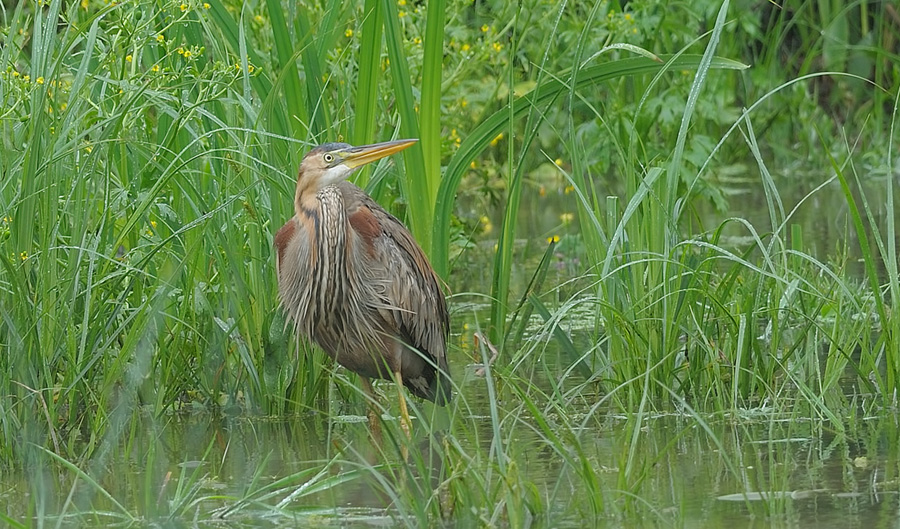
(283, 238)
(366, 225)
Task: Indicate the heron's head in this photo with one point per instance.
(333, 162)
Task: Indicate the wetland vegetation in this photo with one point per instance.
(667, 232)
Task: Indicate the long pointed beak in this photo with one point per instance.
(357, 156)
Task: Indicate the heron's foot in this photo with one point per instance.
(372, 411)
(374, 425)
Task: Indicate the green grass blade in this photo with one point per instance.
(317, 103)
(415, 186)
(367, 81)
(868, 257)
(81, 474)
(298, 117)
(576, 358)
(430, 112)
(673, 176)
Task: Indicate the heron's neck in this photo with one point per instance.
(311, 199)
(305, 201)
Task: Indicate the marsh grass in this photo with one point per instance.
(149, 156)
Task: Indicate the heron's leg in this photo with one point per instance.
(372, 409)
(405, 423)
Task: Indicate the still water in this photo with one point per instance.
(743, 468)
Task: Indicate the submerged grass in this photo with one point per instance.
(149, 153)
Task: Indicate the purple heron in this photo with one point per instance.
(353, 280)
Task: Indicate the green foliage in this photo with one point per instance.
(148, 156)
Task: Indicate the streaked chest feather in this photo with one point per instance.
(320, 284)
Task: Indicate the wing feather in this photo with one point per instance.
(412, 302)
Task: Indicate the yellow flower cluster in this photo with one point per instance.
(189, 53)
(626, 18)
(185, 6)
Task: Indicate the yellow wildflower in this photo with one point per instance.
(39, 80)
(558, 162)
(23, 255)
(184, 7)
(472, 165)
(155, 68)
(486, 225)
(569, 189)
(258, 18)
(160, 38)
(552, 239)
(401, 2)
(27, 78)
(497, 46)
(485, 28)
(348, 33)
(496, 140)
(206, 5)
(128, 58)
(402, 14)
(187, 54)
(15, 74)
(465, 47)
(84, 4)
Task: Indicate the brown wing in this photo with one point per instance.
(414, 307)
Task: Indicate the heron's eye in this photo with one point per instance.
(328, 157)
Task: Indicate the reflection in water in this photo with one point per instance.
(781, 467)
